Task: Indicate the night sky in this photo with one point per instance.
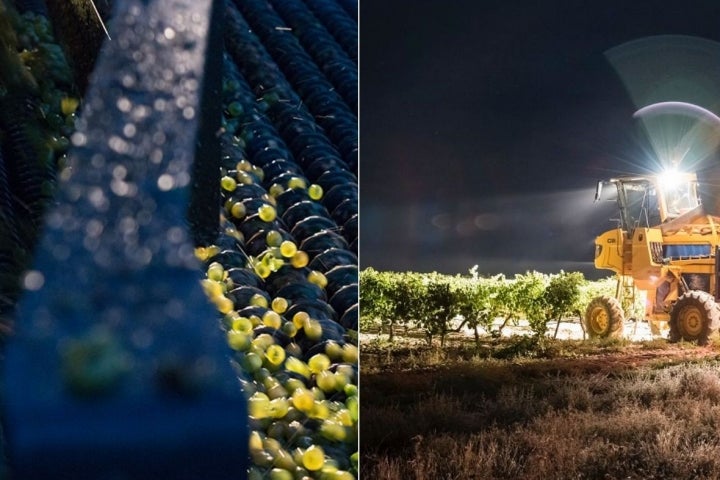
(485, 126)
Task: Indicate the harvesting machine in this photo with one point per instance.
(664, 249)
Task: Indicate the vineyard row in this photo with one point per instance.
(432, 301)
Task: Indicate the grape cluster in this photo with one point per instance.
(37, 114)
(283, 273)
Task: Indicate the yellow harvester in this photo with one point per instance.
(665, 247)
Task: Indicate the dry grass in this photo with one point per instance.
(637, 412)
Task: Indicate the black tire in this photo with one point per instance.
(694, 317)
(604, 318)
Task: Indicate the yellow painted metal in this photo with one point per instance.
(638, 255)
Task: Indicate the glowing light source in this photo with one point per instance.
(670, 178)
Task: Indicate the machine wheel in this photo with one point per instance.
(604, 318)
(695, 316)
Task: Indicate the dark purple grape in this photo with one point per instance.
(337, 176)
(311, 225)
(241, 295)
(349, 319)
(290, 197)
(340, 276)
(331, 258)
(250, 311)
(244, 191)
(337, 194)
(350, 228)
(344, 298)
(245, 276)
(294, 292)
(343, 212)
(321, 241)
(280, 166)
(302, 210)
(230, 259)
(281, 338)
(316, 308)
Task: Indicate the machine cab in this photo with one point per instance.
(649, 201)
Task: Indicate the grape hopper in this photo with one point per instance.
(281, 269)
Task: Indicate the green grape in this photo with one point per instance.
(262, 459)
(265, 377)
(293, 414)
(238, 210)
(313, 458)
(264, 340)
(300, 259)
(201, 253)
(300, 318)
(293, 349)
(279, 305)
(315, 192)
(278, 407)
(313, 329)
(235, 109)
(228, 183)
(293, 384)
(294, 364)
(244, 178)
(255, 320)
(353, 407)
(223, 304)
(333, 350)
(288, 249)
(289, 329)
(242, 324)
(318, 363)
(211, 288)
(320, 410)
(255, 441)
(355, 460)
(251, 362)
(297, 183)
(325, 380)
(258, 300)
(275, 190)
(280, 474)
(317, 278)
(275, 389)
(340, 475)
(259, 405)
(244, 165)
(285, 461)
(215, 271)
(341, 380)
(347, 370)
(343, 417)
(233, 232)
(350, 353)
(68, 105)
(272, 319)
(267, 213)
(278, 430)
(277, 264)
(350, 390)
(275, 355)
(303, 399)
(273, 238)
(319, 394)
(258, 172)
(240, 341)
(333, 431)
(262, 270)
(213, 250)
